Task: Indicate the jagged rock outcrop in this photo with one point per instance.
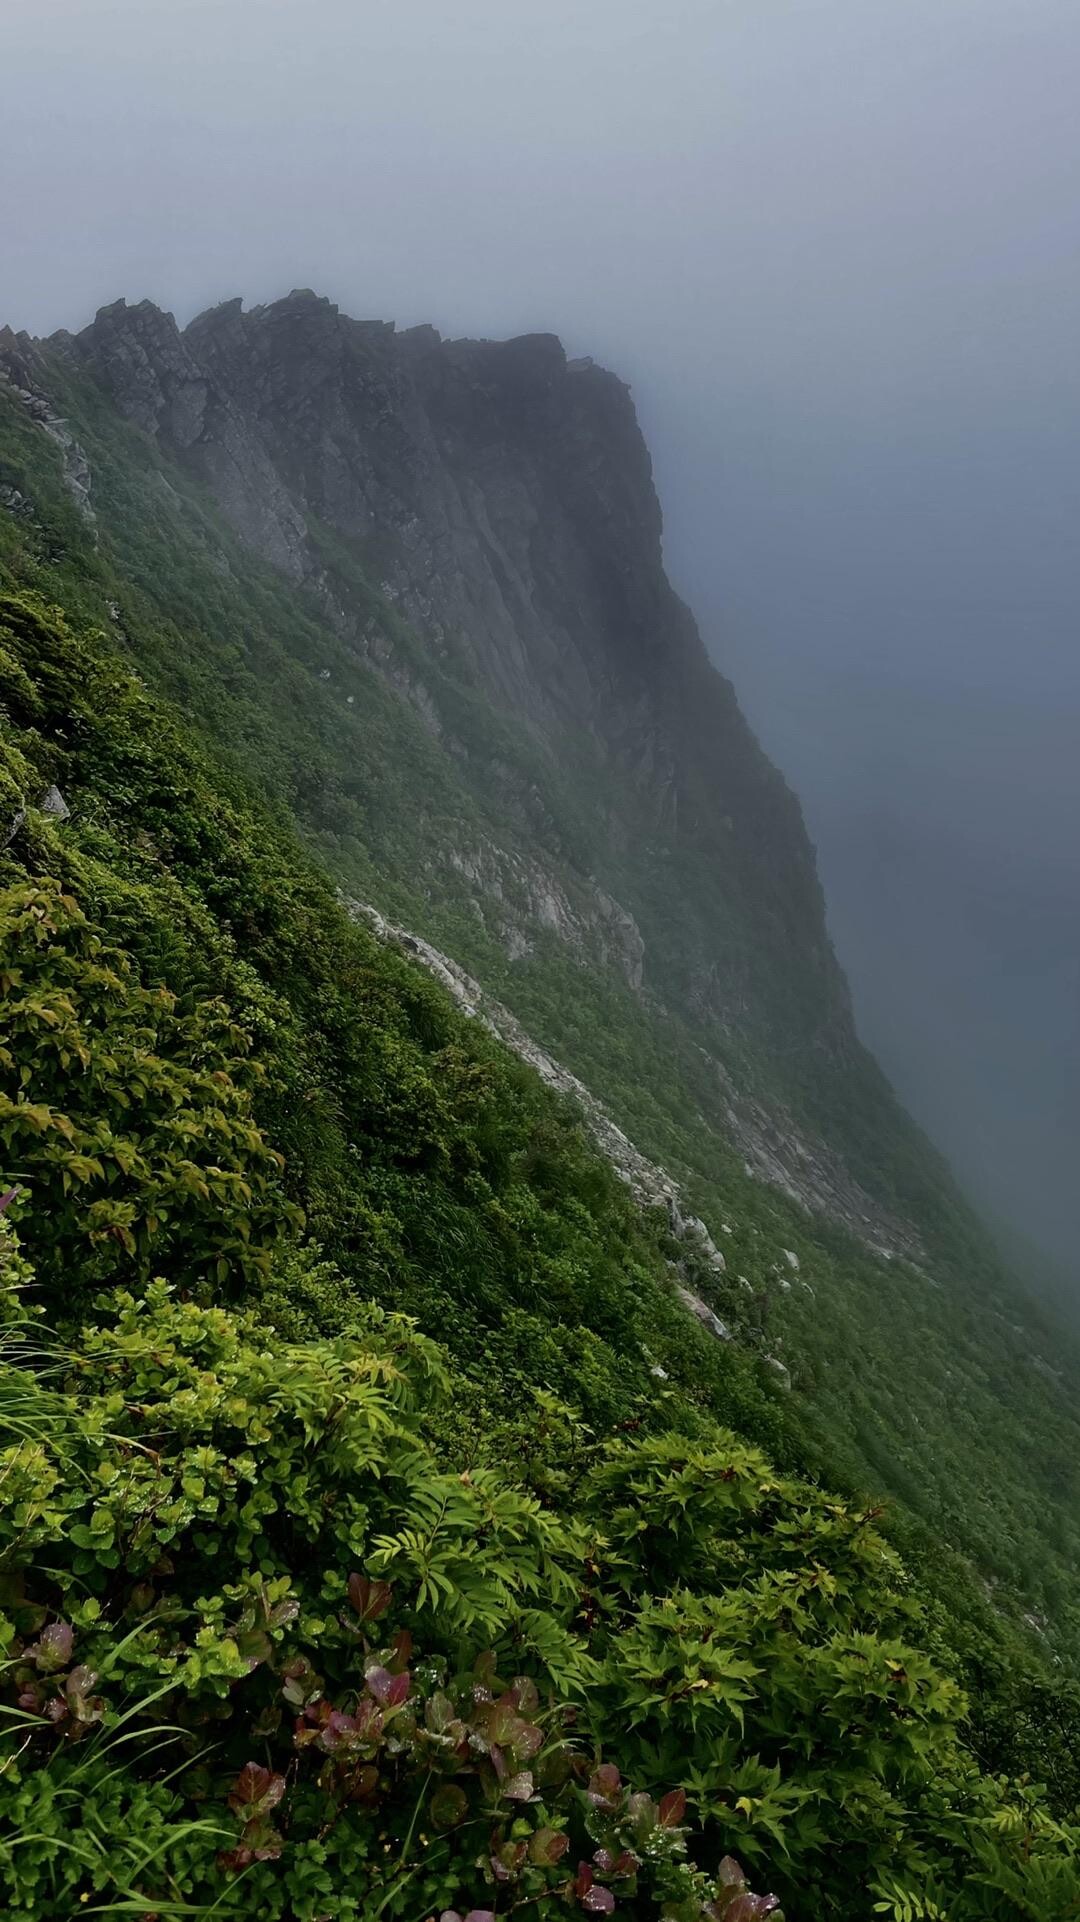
(16, 362)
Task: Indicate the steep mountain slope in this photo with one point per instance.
(500, 500)
(266, 1549)
(413, 592)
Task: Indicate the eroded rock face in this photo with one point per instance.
(17, 362)
(156, 379)
(501, 498)
(522, 897)
(504, 496)
(651, 1185)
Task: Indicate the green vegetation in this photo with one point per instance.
(281, 1631)
(379, 1535)
(928, 1383)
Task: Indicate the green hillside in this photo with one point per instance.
(380, 1534)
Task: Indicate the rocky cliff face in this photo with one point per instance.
(502, 498)
(477, 521)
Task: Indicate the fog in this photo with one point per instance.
(835, 246)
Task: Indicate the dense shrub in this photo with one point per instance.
(349, 1680)
(127, 1113)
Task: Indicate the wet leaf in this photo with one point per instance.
(53, 1649)
(547, 1847)
(390, 1691)
(672, 1808)
(369, 1598)
(256, 1790)
(449, 1806)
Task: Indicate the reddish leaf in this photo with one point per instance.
(363, 1782)
(339, 1731)
(672, 1808)
(401, 1649)
(526, 1740)
(233, 1860)
(499, 1720)
(487, 1674)
(84, 1707)
(548, 1847)
(370, 1599)
(368, 1720)
(750, 1908)
(605, 1786)
(598, 1901)
(256, 1790)
(389, 1690)
(508, 1860)
(642, 1812)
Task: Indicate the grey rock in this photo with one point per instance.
(703, 1313)
(13, 827)
(699, 1239)
(52, 802)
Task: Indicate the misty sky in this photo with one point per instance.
(835, 246)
